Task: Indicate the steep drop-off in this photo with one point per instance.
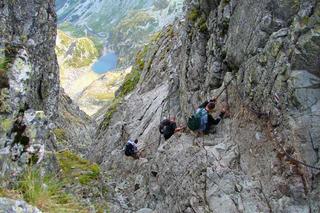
(101, 91)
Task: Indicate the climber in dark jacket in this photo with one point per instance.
(206, 119)
(168, 127)
(131, 149)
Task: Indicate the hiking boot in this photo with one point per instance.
(212, 130)
(198, 142)
(194, 133)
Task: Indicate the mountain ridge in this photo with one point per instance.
(99, 20)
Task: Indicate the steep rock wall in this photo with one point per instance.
(30, 108)
(31, 25)
(269, 49)
(29, 93)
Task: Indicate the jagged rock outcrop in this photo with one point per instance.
(22, 28)
(269, 50)
(32, 108)
(31, 71)
(29, 97)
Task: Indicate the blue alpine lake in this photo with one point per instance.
(105, 63)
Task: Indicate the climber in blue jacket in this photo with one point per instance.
(206, 119)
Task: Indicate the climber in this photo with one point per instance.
(131, 149)
(202, 120)
(168, 127)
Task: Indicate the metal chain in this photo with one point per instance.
(268, 116)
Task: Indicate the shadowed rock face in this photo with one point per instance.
(271, 49)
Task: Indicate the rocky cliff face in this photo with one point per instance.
(22, 35)
(32, 109)
(254, 161)
(30, 84)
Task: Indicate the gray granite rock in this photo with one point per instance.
(13, 206)
(273, 100)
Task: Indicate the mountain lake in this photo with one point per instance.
(105, 63)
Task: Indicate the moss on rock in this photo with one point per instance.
(130, 82)
(75, 167)
(139, 62)
(6, 124)
(60, 134)
(3, 64)
(193, 15)
(4, 101)
(202, 24)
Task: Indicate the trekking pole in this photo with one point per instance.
(143, 148)
(225, 87)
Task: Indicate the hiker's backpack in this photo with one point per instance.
(194, 121)
(168, 130)
(129, 149)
